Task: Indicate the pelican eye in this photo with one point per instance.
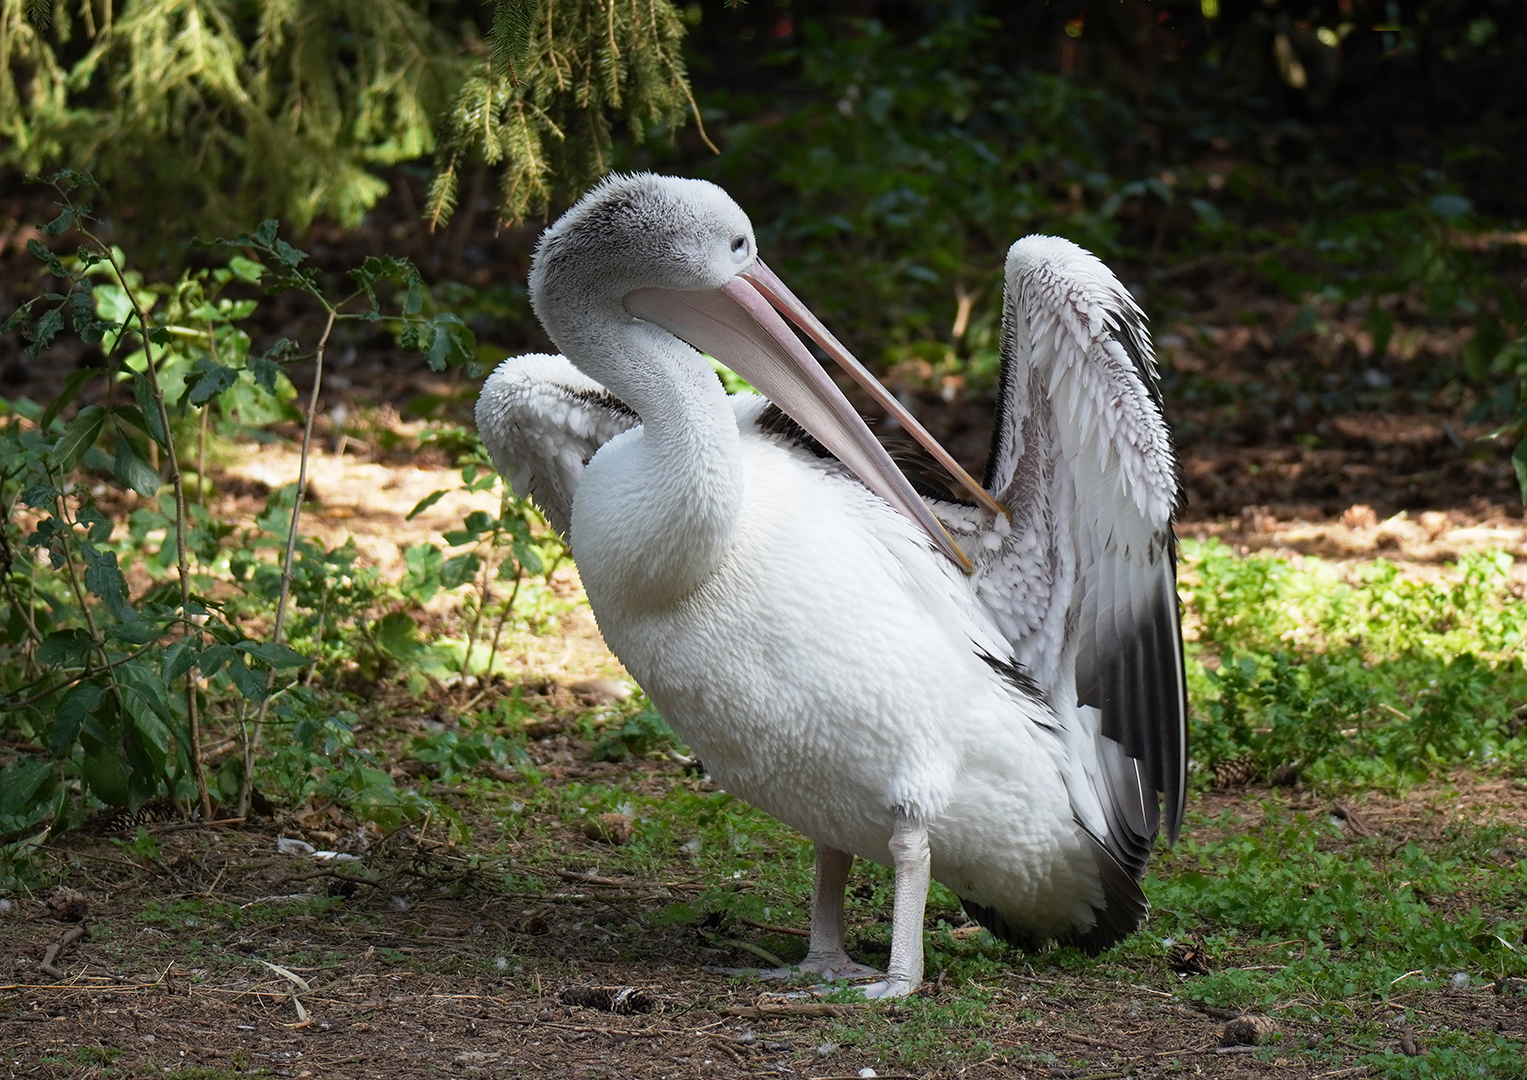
(739, 248)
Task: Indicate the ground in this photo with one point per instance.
(211, 950)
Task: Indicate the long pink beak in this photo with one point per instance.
(738, 324)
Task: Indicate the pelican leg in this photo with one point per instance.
(826, 956)
(912, 861)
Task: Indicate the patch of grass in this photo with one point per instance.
(1368, 678)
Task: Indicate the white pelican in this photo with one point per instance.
(1004, 723)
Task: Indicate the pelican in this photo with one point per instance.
(985, 687)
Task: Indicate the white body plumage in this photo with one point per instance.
(1008, 729)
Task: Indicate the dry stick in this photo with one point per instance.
(73, 934)
(183, 567)
(253, 741)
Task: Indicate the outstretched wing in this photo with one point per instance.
(542, 420)
(1082, 579)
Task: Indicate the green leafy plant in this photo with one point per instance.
(116, 645)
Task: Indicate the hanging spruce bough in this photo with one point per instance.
(203, 115)
(541, 106)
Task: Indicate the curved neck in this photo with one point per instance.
(656, 514)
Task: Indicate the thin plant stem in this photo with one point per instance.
(252, 739)
(503, 617)
(182, 519)
(484, 594)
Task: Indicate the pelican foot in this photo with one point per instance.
(887, 988)
(836, 967)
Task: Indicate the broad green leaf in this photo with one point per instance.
(273, 654)
(422, 581)
(69, 717)
(143, 394)
(250, 683)
(459, 570)
(132, 469)
(245, 269)
(20, 784)
(78, 437)
(213, 657)
(529, 558)
(105, 774)
(178, 659)
(398, 636)
(65, 647)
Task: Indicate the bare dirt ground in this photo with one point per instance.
(212, 955)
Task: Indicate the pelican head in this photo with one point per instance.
(641, 252)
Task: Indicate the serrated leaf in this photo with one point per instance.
(207, 380)
(43, 330)
(288, 255)
(79, 436)
(38, 250)
(265, 234)
(451, 342)
(104, 580)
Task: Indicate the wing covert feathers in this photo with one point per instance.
(1083, 579)
(542, 420)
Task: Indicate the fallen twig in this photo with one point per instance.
(790, 930)
(70, 936)
(772, 1012)
(336, 874)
